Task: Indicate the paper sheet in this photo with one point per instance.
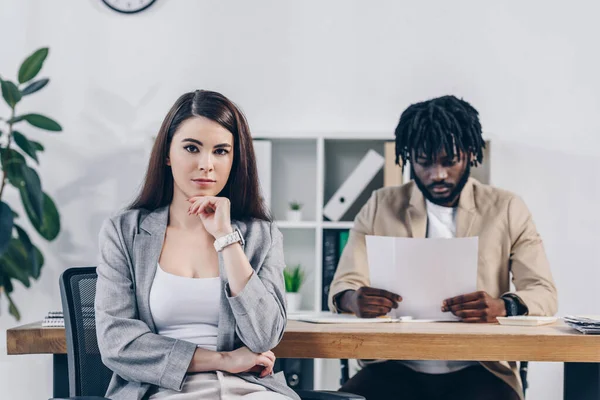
(423, 271)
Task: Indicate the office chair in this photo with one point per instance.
(88, 376)
(523, 368)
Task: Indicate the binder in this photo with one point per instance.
(392, 173)
(262, 152)
(330, 262)
(353, 186)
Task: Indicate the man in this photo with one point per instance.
(442, 140)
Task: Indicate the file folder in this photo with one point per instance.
(353, 186)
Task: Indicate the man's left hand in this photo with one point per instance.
(475, 307)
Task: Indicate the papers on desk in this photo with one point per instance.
(526, 320)
(326, 317)
(424, 272)
(586, 324)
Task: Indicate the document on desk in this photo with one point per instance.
(423, 271)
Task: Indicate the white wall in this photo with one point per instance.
(531, 68)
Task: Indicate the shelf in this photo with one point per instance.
(294, 177)
(314, 224)
(309, 167)
(338, 225)
(296, 225)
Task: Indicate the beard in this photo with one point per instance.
(451, 197)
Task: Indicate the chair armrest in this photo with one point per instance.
(327, 395)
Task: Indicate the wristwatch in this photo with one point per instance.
(511, 305)
(229, 239)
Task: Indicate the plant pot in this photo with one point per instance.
(294, 215)
(293, 301)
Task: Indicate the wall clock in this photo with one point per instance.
(128, 6)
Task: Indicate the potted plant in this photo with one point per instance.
(20, 259)
(294, 277)
(294, 214)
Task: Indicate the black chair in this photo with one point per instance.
(88, 376)
(523, 368)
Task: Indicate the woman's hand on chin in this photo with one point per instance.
(214, 213)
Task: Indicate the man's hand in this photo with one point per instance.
(368, 302)
(475, 307)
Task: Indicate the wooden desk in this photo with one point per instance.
(403, 341)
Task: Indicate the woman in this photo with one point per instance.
(190, 292)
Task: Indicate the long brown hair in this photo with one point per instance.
(242, 187)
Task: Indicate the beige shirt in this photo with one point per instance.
(509, 245)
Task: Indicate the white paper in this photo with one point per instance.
(424, 272)
(326, 317)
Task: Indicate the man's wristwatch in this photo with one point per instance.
(511, 305)
(224, 241)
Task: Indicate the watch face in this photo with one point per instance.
(129, 6)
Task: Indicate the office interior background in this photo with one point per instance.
(338, 67)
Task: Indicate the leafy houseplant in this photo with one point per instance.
(295, 206)
(295, 211)
(20, 259)
(294, 278)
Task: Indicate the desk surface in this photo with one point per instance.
(398, 341)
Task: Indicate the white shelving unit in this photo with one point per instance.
(309, 168)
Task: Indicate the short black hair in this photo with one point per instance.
(444, 123)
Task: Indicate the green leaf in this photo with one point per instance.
(32, 65)
(42, 122)
(37, 145)
(12, 308)
(35, 86)
(31, 194)
(49, 226)
(30, 253)
(14, 262)
(6, 226)
(6, 282)
(12, 164)
(39, 256)
(10, 92)
(25, 145)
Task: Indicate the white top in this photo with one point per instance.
(441, 223)
(186, 308)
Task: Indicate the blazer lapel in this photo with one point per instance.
(147, 247)
(466, 212)
(417, 214)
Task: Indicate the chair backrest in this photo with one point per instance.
(88, 376)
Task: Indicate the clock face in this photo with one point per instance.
(129, 6)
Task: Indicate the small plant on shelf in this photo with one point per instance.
(295, 211)
(294, 278)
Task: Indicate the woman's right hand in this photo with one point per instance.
(244, 360)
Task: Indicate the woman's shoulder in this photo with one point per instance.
(125, 220)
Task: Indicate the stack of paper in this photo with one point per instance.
(584, 323)
(54, 319)
(424, 272)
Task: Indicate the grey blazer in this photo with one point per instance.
(130, 245)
